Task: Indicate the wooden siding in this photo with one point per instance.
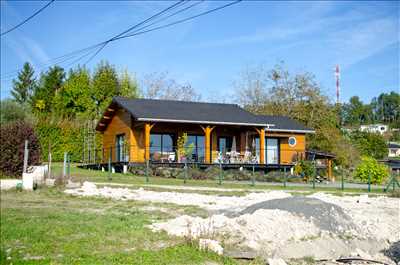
(122, 123)
(119, 124)
(288, 154)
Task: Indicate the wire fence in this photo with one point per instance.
(226, 165)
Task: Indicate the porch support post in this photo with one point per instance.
(329, 164)
(261, 133)
(207, 138)
(147, 129)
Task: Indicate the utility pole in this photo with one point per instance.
(337, 76)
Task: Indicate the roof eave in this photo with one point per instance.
(202, 122)
(290, 130)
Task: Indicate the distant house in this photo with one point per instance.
(394, 149)
(374, 128)
(139, 130)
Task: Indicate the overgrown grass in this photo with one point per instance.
(49, 227)
(99, 176)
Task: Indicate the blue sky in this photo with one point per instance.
(210, 52)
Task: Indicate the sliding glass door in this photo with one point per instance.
(162, 147)
(272, 150)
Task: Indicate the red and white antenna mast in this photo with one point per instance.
(337, 75)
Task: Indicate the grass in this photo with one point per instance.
(98, 176)
(49, 227)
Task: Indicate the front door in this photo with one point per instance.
(119, 143)
(272, 150)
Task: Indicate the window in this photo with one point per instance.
(120, 147)
(198, 147)
(224, 144)
(292, 141)
(162, 147)
(272, 151)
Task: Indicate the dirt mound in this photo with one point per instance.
(327, 216)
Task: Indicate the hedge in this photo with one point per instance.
(12, 145)
(62, 136)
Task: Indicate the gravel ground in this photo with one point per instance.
(327, 216)
(275, 223)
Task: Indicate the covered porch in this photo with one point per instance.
(206, 144)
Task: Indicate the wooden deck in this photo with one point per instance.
(118, 166)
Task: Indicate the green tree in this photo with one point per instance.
(370, 168)
(24, 85)
(128, 86)
(277, 92)
(74, 98)
(356, 113)
(49, 86)
(11, 111)
(369, 144)
(104, 86)
(386, 108)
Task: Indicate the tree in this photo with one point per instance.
(369, 144)
(160, 86)
(128, 86)
(74, 97)
(24, 85)
(104, 86)
(386, 108)
(49, 85)
(356, 113)
(11, 111)
(277, 92)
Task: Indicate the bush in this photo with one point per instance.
(369, 166)
(12, 144)
(305, 169)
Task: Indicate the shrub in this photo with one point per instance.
(305, 169)
(12, 144)
(369, 166)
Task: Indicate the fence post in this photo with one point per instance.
(147, 171)
(49, 165)
(369, 181)
(186, 172)
(342, 180)
(314, 175)
(220, 174)
(65, 164)
(253, 177)
(69, 166)
(26, 154)
(284, 177)
(109, 164)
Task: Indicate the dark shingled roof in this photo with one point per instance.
(283, 123)
(155, 110)
(184, 111)
(393, 145)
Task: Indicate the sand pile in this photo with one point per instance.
(275, 223)
(209, 202)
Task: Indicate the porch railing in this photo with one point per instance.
(172, 154)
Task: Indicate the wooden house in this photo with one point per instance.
(140, 130)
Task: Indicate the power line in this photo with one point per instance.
(74, 54)
(172, 23)
(140, 31)
(27, 19)
(178, 21)
(135, 26)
